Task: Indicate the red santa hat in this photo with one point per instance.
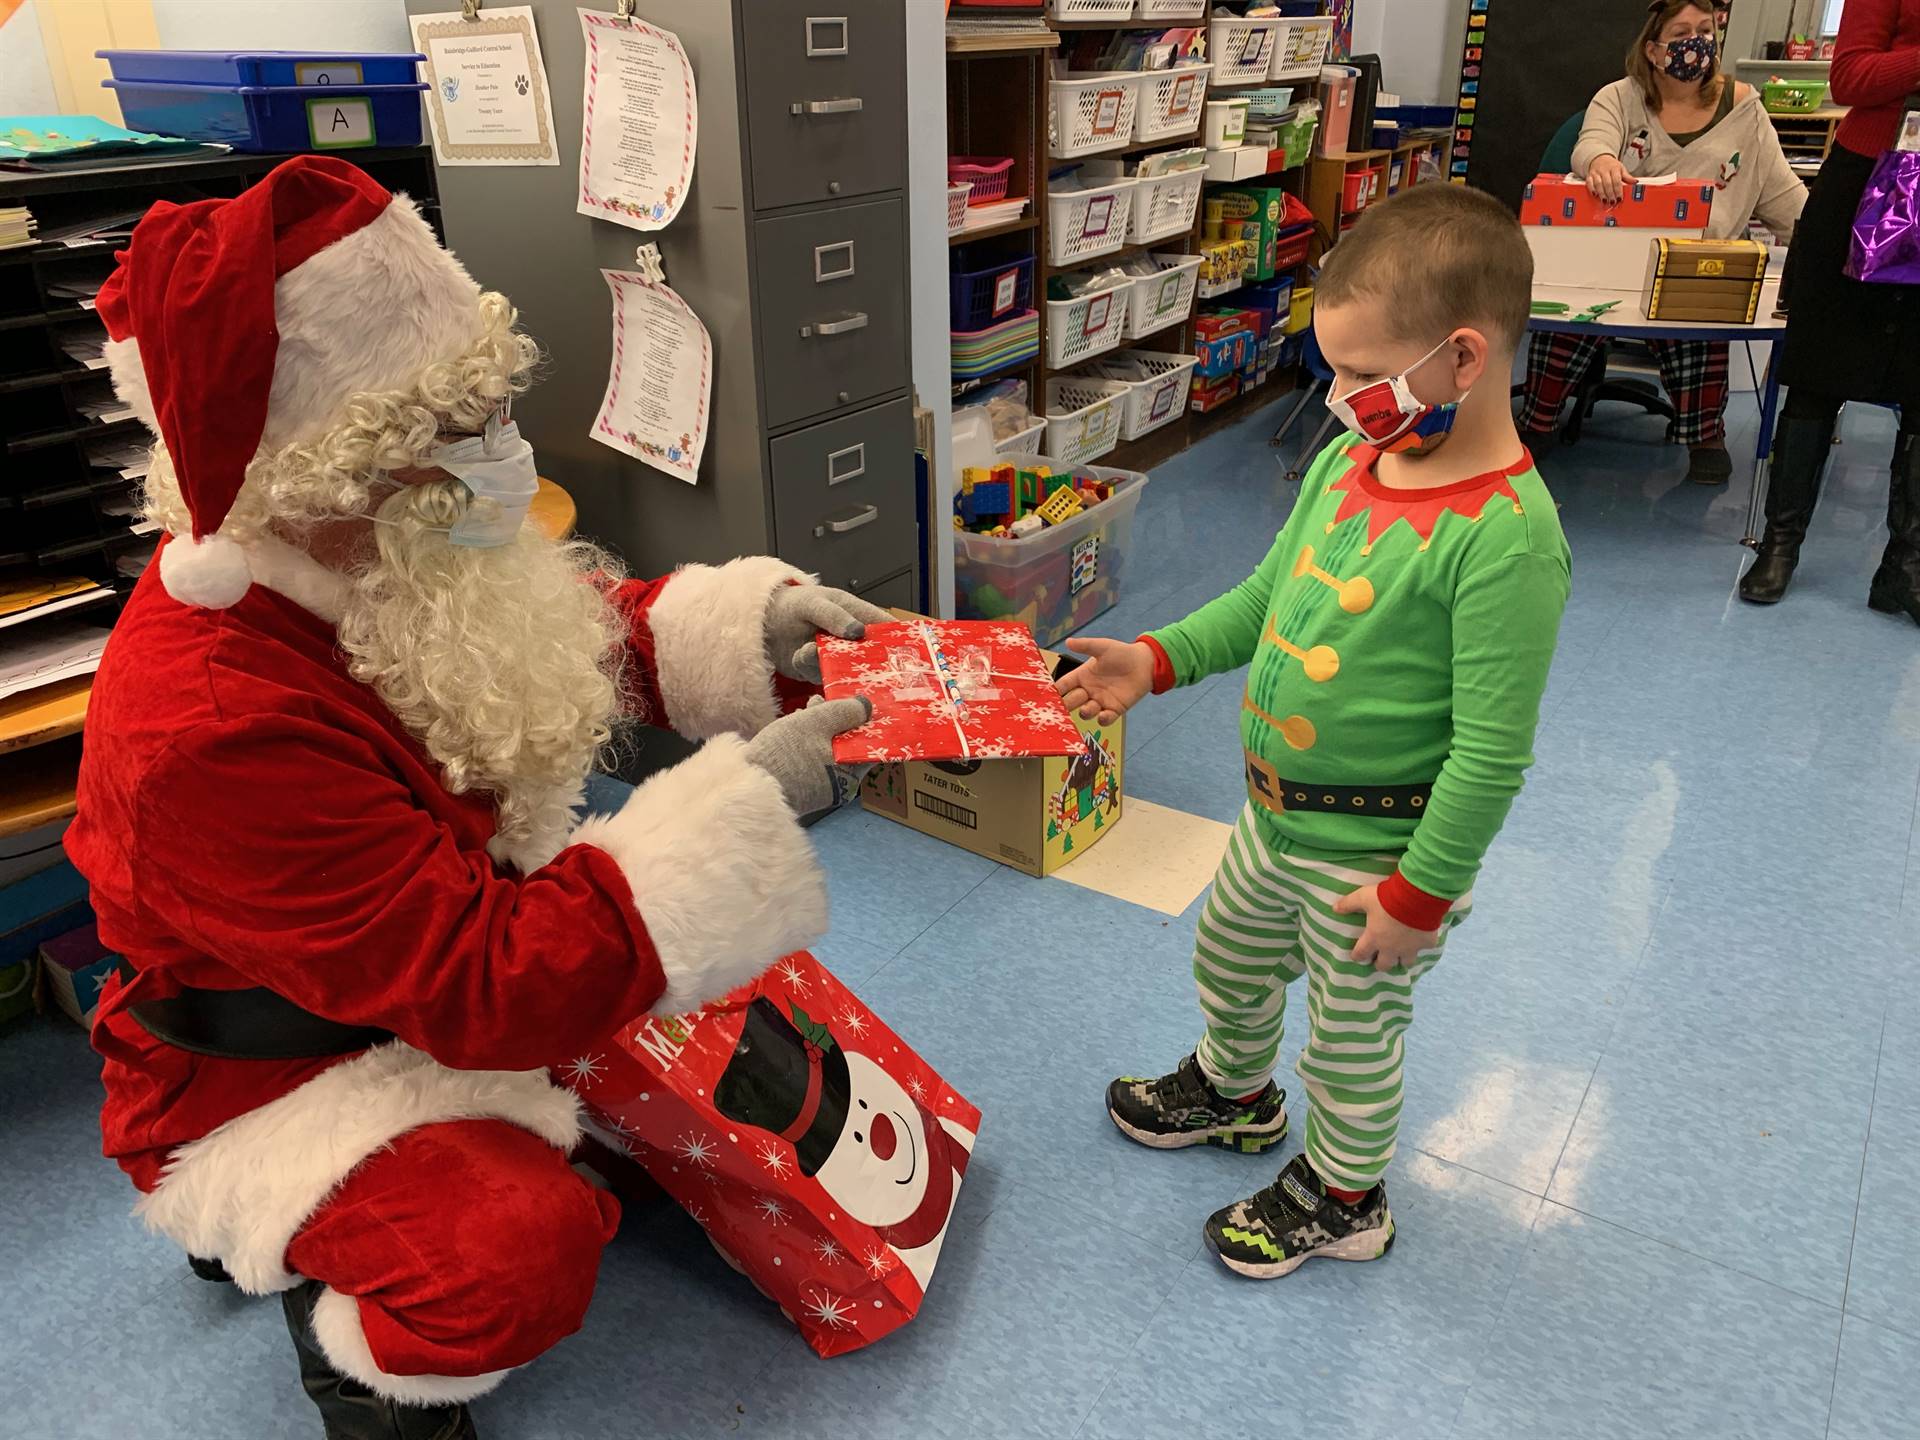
(239, 324)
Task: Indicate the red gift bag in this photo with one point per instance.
(821, 1154)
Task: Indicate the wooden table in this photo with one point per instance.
(40, 729)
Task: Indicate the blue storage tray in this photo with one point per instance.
(973, 294)
(260, 67)
(321, 118)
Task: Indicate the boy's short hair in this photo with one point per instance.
(1440, 256)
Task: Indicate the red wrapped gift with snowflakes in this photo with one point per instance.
(948, 690)
(822, 1156)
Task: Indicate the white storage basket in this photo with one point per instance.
(1157, 301)
(1080, 329)
(1170, 10)
(1154, 400)
(957, 194)
(1084, 223)
(1022, 442)
(1171, 103)
(1092, 113)
(1083, 417)
(1226, 124)
(1090, 9)
(1241, 50)
(1165, 206)
(1300, 48)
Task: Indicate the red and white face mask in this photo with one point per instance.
(1384, 411)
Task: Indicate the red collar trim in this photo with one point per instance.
(1364, 456)
(1361, 492)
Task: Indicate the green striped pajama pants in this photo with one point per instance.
(1270, 920)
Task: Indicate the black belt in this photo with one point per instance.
(1269, 789)
(253, 1024)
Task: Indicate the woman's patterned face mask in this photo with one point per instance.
(1689, 59)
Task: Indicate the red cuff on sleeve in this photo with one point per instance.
(1163, 676)
(1410, 905)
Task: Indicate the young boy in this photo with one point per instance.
(1399, 632)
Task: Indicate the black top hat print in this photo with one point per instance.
(786, 1081)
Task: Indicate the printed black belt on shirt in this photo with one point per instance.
(1270, 790)
(253, 1024)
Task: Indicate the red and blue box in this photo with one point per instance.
(1556, 200)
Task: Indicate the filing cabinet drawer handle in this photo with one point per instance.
(856, 321)
(845, 464)
(840, 525)
(845, 105)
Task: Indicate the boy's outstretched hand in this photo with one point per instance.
(1112, 682)
(1386, 944)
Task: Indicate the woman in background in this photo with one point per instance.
(1847, 340)
(1675, 113)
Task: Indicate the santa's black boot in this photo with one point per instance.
(1896, 584)
(350, 1411)
(1800, 450)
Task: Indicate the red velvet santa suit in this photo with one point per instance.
(252, 816)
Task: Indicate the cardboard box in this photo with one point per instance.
(1032, 815)
(76, 967)
(1262, 209)
(1556, 200)
(1241, 163)
(1711, 281)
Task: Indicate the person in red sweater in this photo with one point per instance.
(1848, 340)
(327, 806)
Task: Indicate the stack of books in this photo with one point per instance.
(16, 227)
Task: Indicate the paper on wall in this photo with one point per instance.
(661, 374)
(639, 125)
(487, 96)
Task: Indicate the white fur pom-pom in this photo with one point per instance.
(210, 574)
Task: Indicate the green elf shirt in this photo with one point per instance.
(1396, 638)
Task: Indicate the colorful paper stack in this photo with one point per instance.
(981, 352)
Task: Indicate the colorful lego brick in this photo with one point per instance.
(1061, 507)
(1052, 484)
(1027, 525)
(992, 497)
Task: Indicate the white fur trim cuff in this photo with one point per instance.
(723, 876)
(241, 1193)
(343, 1339)
(710, 646)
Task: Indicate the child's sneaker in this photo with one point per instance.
(1275, 1231)
(1183, 1109)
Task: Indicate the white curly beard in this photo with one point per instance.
(503, 663)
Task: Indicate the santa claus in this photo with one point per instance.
(328, 807)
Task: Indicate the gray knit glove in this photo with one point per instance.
(797, 750)
(797, 613)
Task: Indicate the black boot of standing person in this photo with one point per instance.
(348, 1409)
(1800, 449)
(1896, 584)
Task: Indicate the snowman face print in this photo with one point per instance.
(878, 1171)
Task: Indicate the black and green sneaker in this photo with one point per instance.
(1276, 1231)
(1183, 1109)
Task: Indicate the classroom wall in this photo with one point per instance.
(25, 81)
(932, 357)
(1418, 42)
(371, 25)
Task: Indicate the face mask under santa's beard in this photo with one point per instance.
(502, 662)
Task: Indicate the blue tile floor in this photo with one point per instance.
(1663, 1106)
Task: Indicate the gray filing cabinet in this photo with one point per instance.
(792, 249)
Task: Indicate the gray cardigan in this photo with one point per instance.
(1742, 152)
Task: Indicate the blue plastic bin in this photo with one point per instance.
(984, 296)
(277, 118)
(260, 67)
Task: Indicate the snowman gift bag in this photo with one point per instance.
(822, 1156)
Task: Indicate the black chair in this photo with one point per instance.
(1595, 385)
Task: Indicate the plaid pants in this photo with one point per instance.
(1693, 371)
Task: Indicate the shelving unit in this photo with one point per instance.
(1807, 138)
(1327, 181)
(56, 505)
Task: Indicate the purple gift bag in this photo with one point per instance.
(1886, 227)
